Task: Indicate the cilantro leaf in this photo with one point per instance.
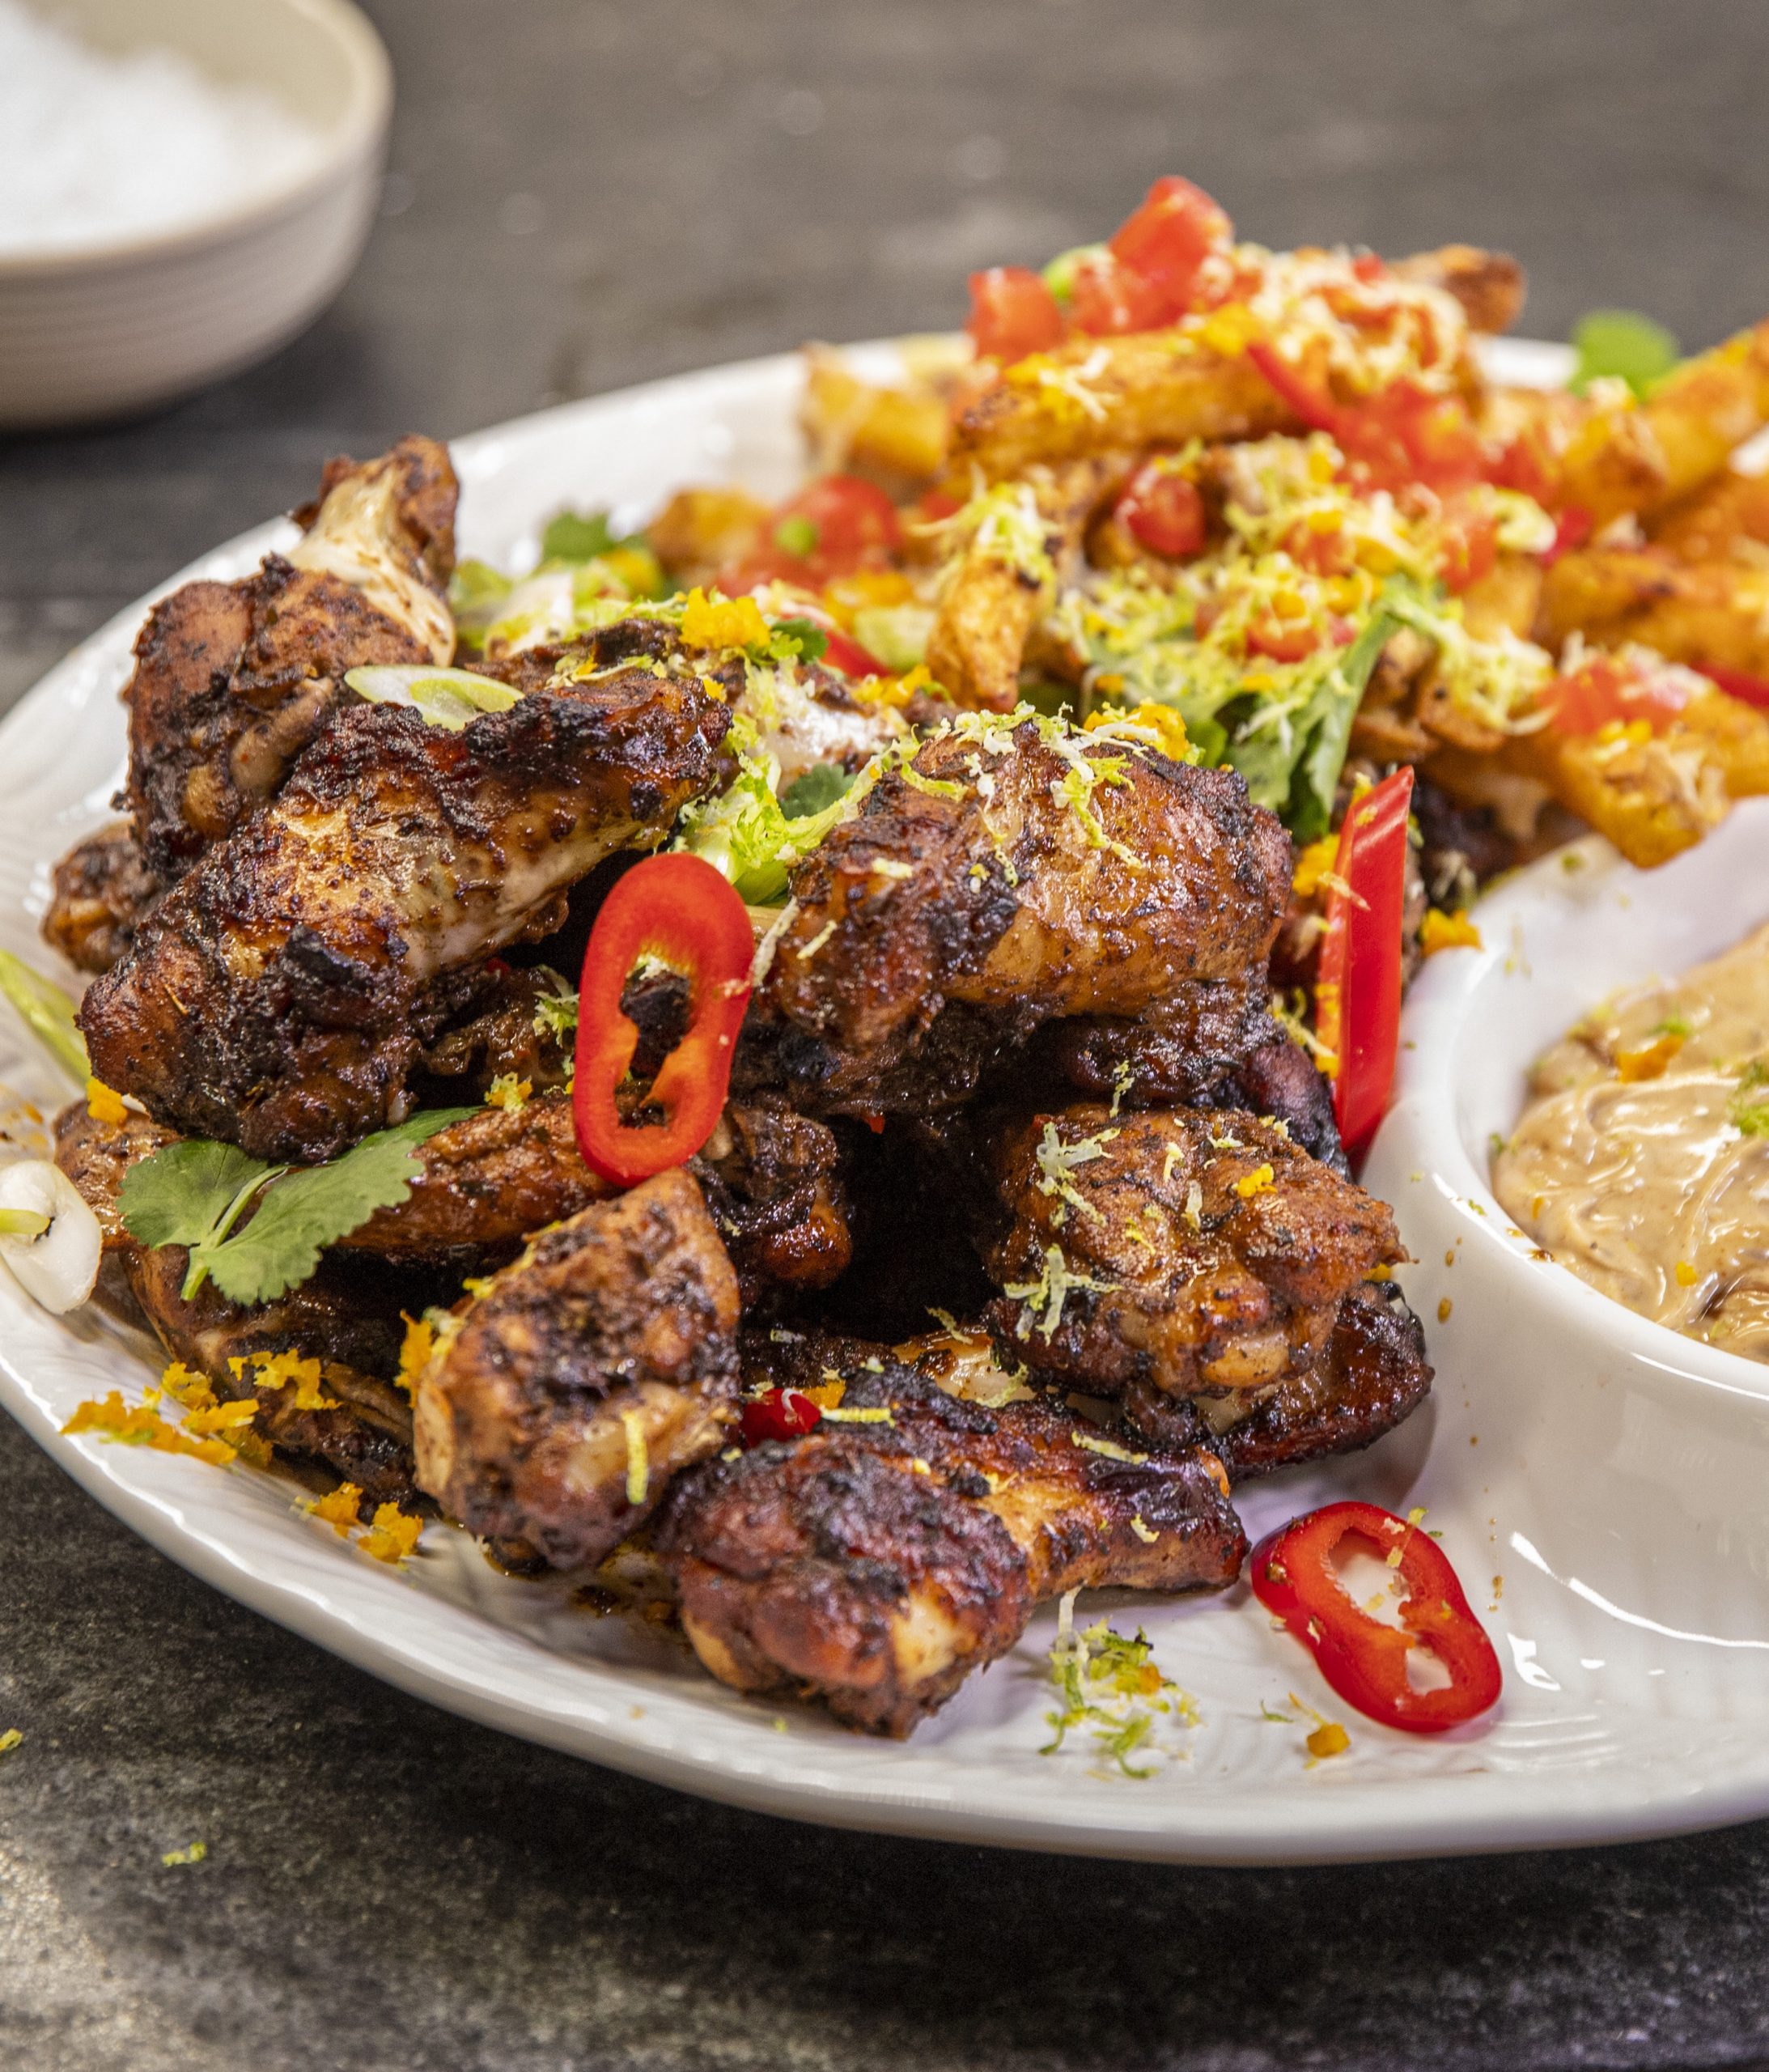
(194, 1193)
(806, 641)
(1621, 344)
(815, 790)
(307, 1211)
(577, 536)
(178, 1196)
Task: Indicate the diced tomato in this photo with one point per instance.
(1573, 527)
(1163, 511)
(935, 504)
(1322, 553)
(1369, 268)
(1605, 690)
(836, 524)
(1012, 313)
(1109, 298)
(1470, 545)
(1168, 239)
(1285, 641)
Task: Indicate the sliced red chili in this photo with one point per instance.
(779, 1414)
(1362, 1658)
(1737, 683)
(679, 909)
(1357, 989)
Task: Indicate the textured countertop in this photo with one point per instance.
(585, 194)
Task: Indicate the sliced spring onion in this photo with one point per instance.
(48, 1237)
(46, 1011)
(441, 697)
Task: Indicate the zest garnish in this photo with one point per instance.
(1364, 1659)
(681, 910)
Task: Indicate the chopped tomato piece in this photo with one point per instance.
(1573, 527)
(1606, 690)
(1012, 313)
(1282, 641)
(1107, 298)
(1163, 511)
(679, 909)
(1471, 546)
(1168, 239)
(1357, 988)
(1362, 1658)
(1369, 268)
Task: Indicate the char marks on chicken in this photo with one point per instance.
(1008, 876)
(874, 1564)
(591, 1371)
(283, 992)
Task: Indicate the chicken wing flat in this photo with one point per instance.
(600, 1364)
(1196, 1253)
(770, 1177)
(874, 1564)
(282, 993)
(233, 680)
(346, 1319)
(1008, 875)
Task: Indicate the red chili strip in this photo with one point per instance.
(1357, 989)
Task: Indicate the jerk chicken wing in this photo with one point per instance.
(281, 994)
(1008, 875)
(875, 1563)
(600, 1364)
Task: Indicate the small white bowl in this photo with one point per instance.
(1624, 1464)
(102, 329)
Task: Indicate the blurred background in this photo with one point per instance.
(582, 193)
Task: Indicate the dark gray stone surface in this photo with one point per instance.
(586, 194)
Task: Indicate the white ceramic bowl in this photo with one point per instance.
(1640, 1456)
(107, 329)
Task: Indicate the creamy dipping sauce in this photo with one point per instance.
(1642, 1161)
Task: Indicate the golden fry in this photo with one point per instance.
(1490, 285)
(1714, 612)
(1642, 458)
(1652, 794)
(1095, 395)
(1726, 520)
(896, 435)
(700, 531)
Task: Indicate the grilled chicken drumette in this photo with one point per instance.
(875, 1563)
(599, 1364)
(283, 992)
(1007, 876)
(232, 680)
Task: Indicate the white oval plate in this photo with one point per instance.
(1627, 1521)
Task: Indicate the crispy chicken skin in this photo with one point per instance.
(101, 894)
(1211, 1253)
(1370, 1376)
(347, 1318)
(1212, 1046)
(874, 1565)
(770, 1179)
(598, 1365)
(941, 925)
(233, 680)
(283, 991)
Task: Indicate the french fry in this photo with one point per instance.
(1737, 735)
(1714, 611)
(700, 531)
(1652, 794)
(1727, 519)
(895, 435)
(1642, 458)
(1095, 395)
(1490, 285)
(991, 598)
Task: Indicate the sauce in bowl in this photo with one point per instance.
(1642, 1159)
